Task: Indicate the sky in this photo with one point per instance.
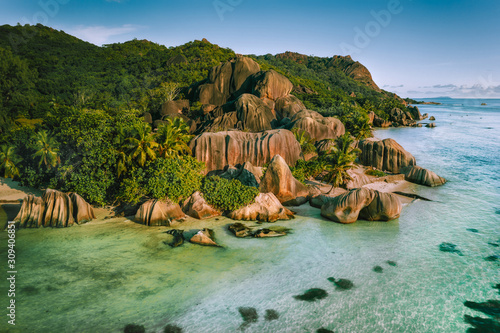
(415, 48)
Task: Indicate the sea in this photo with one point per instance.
(103, 275)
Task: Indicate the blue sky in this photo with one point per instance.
(416, 48)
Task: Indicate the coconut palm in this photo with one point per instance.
(173, 138)
(340, 159)
(8, 161)
(305, 141)
(123, 159)
(47, 149)
(141, 146)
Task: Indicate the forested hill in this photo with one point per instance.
(41, 66)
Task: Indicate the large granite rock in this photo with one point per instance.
(419, 175)
(225, 82)
(254, 114)
(271, 84)
(317, 126)
(288, 106)
(385, 155)
(204, 237)
(159, 212)
(318, 200)
(54, 209)
(362, 203)
(279, 180)
(266, 208)
(358, 178)
(196, 206)
(220, 149)
(415, 113)
(175, 107)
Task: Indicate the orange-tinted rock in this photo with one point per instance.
(279, 180)
(317, 126)
(418, 175)
(82, 210)
(204, 237)
(266, 208)
(362, 203)
(196, 206)
(288, 106)
(353, 69)
(58, 211)
(31, 213)
(159, 212)
(271, 84)
(253, 114)
(220, 149)
(385, 155)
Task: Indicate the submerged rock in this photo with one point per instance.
(204, 237)
(240, 230)
(473, 230)
(342, 284)
(172, 329)
(324, 330)
(178, 237)
(392, 263)
(492, 258)
(271, 315)
(265, 233)
(249, 316)
(482, 325)
(450, 247)
(312, 295)
(490, 308)
(133, 328)
(378, 269)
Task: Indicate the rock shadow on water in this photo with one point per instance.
(497, 286)
(493, 244)
(30, 290)
(492, 258)
(178, 237)
(481, 325)
(271, 315)
(490, 308)
(450, 247)
(341, 284)
(312, 295)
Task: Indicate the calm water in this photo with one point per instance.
(101, 276)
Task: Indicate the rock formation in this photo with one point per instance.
(266, 208)
(358, 178)
(270, 84)
(418, 175)
(204, 237)
(317, 126)
(220, 149)
(240, 230)
(317, 201)
(385, 155)
(288, 106)
(362, 203)
(279, 180)
(178, 237)
(159, 212)
(196, 206)
(54, 209)
(253, 114)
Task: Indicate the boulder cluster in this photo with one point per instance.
(54, 209)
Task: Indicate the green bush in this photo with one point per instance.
(173, 178)
(375, 172)
(227, 195)
(132, 189)
(305, 169)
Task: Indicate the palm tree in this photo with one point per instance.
(340, 159)
(142, 145)
(305, 141)
(46, 149)
(8, 161)
(173, 138)
(123, 160)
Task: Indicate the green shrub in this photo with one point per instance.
(375, 172)
(132, 188)
(227, 195)
(173, 178)
(305, 169)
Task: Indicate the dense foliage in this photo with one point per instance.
(71, 114)
(227, 195)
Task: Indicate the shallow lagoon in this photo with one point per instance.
(101, 276)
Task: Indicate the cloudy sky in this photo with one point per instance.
(416, 48)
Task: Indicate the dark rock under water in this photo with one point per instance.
(378, 269)
(312, 295)
(450, 247)
(473, 230)
(342, 284)
(133, 328)
(249, 316)
(172, 329)
(271, 315)
(391, 263)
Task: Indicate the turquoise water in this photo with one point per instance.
(101, 276)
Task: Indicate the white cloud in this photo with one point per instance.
(100, 34)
